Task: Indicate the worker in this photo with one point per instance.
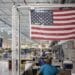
(41, 61)
(48, 68)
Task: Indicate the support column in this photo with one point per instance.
(15, 41)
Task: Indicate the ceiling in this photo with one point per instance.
(6, 16)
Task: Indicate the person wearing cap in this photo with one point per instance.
(48, 68)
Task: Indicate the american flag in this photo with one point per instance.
(53, 24)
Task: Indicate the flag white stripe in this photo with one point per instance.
(45, 31)
(64, 21)
(63, 17)
(41, 26)
(45, 36)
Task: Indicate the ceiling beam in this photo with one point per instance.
(46, 5)
(5, 22)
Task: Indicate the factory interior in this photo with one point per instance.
(31, 31)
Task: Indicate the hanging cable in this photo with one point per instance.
(25, 2)
(13, 2)
(62, 1)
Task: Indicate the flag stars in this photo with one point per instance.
(42, 18)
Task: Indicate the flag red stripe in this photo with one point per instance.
(63, 10)
(66, 14)
(58, 34)
(42, 38)
(65, 19)
(52, 29)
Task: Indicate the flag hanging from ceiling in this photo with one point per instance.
(53, 24)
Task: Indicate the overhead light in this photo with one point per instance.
(32, 8)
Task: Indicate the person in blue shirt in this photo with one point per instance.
(48, 69)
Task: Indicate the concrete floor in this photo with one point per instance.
(73, 71)
(7, 72)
